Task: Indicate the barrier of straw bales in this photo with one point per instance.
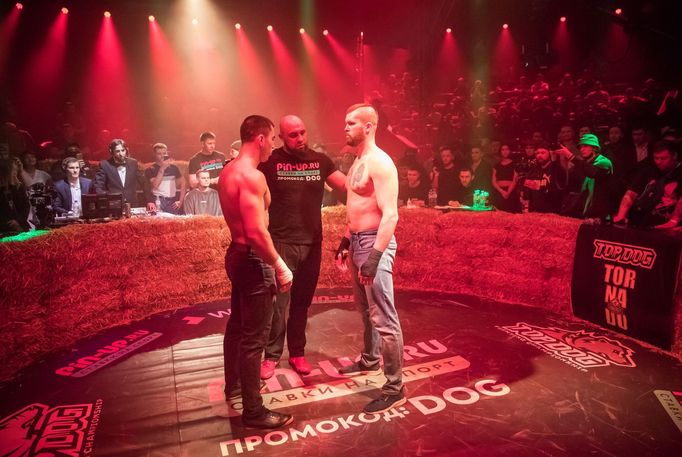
(82, 279)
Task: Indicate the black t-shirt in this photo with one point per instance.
(214, 163)
(448, 183)
(296, 183)
(505, 172)
(483, 177)
(551, 180)
(465, 195)
(421, 192)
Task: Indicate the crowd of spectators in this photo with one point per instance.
(573, 147)
(26, 191)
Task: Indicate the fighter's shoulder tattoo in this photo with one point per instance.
(357, 174)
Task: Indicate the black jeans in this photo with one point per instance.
(304, 262)
(253, 297)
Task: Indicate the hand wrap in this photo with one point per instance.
(283, 273)
(369, 268)
(342, 250)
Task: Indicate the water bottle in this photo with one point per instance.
(433, 197)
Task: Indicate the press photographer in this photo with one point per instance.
(14, 204)
(652, 196)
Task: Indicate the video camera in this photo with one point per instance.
(40, 197)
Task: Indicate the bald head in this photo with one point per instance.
(293, 133)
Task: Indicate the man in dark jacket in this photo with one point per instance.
(121, 175)
(69, 191)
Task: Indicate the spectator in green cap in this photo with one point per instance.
(594, 171)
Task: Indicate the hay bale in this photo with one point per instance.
(79, 280)
(137, 267)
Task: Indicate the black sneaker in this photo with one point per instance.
(269, 419)
(358, 368)
(385, 402)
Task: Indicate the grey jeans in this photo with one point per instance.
(382, 333)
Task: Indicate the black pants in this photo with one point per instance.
(253, 296)
(304, 262)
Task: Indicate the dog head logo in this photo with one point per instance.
(611, 350)
(18, 431)
(38, 429)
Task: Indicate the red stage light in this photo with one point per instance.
(301, 30)
(448, 30)
(505, 26)
(237, 26)
(269, 28)
(618, 11)
(195, 21)
(562, 18)
(65, 11)
(152, 18)
(325, 32)
(107, 14)
(19, 6)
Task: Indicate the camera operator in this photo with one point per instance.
(31, 174)
(165, 179)
(69, 191)
(14, 204)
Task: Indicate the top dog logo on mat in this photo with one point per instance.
(578, 348)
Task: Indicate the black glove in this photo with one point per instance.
(343, 246)
(369, 268)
